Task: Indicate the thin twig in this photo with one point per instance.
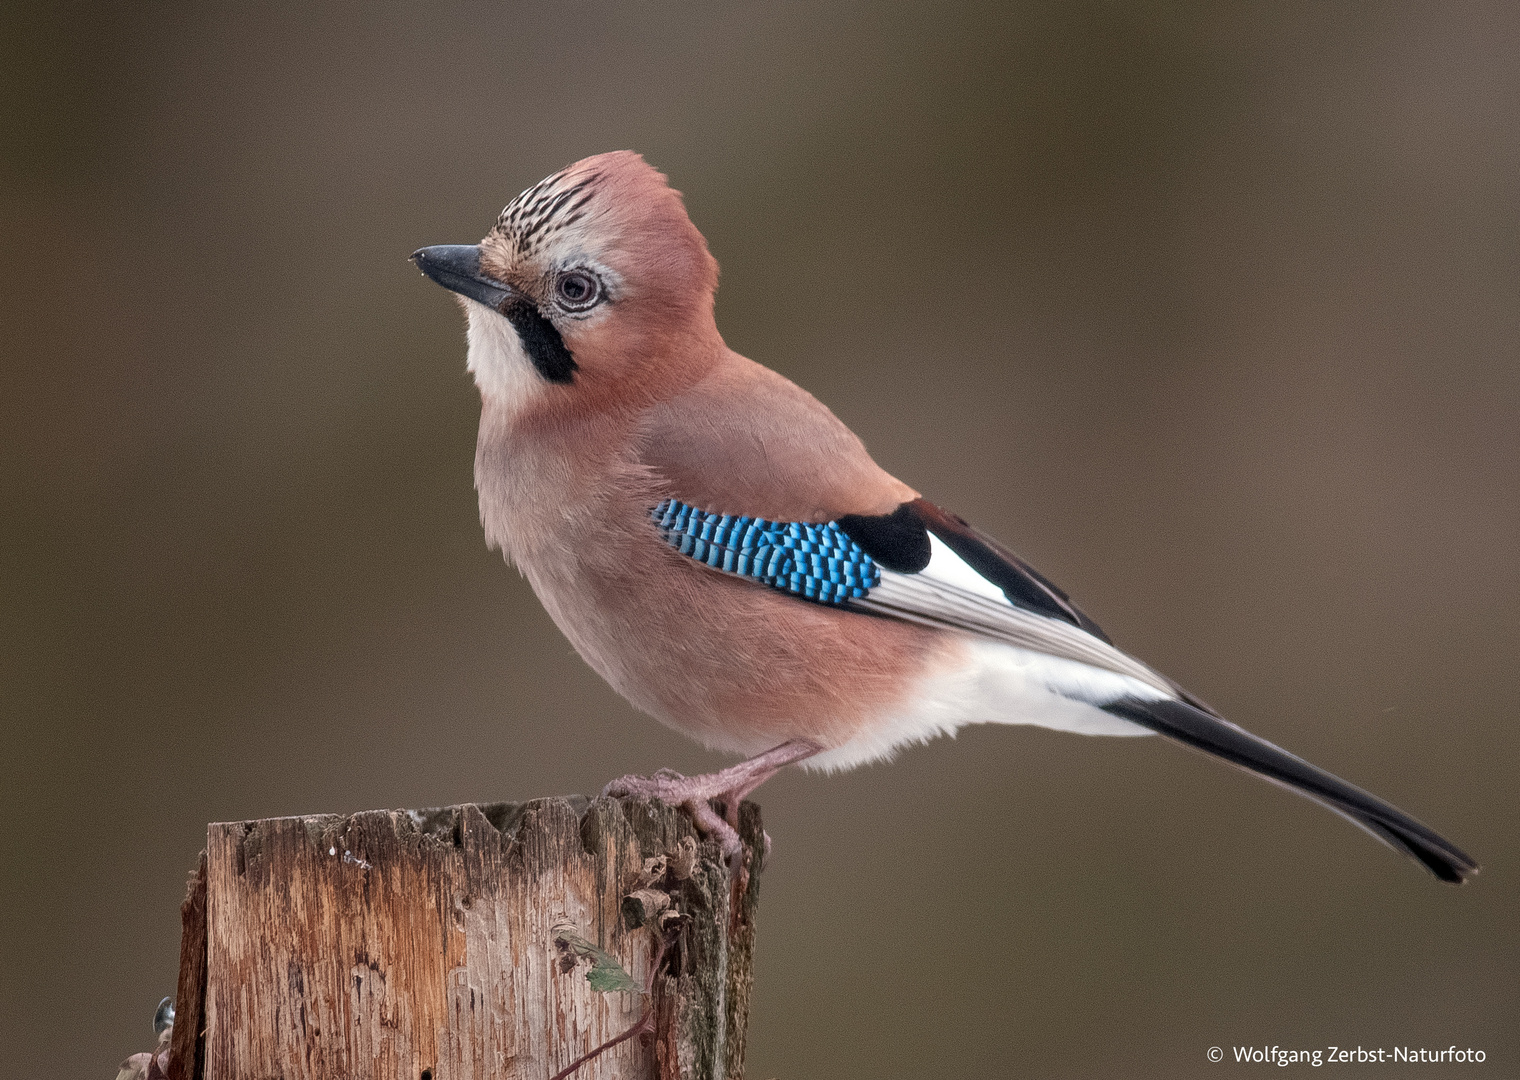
(645, 1024)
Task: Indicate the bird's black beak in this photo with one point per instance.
(457, 267)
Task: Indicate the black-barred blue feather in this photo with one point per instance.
(818, 562)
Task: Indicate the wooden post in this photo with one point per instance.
(453, 943)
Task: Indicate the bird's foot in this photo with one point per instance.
(696, 794)
(692, 794)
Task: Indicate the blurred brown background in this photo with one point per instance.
(1210, 310)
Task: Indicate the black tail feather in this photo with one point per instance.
(1203, 731)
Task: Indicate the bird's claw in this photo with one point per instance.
(696, 794)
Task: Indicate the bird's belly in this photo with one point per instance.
(735, 665)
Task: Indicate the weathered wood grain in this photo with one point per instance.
(187, 1053)
(420, 945)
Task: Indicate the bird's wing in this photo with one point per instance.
(923, 565)
(903, 565)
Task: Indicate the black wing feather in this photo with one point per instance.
(898, 541)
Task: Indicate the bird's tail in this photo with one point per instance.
(1200, 729)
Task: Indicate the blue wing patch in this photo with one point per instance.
(818, 562)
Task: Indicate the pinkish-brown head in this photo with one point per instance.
(593, 291)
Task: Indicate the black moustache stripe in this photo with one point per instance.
(544, 345)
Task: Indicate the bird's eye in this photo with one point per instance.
(576, 290)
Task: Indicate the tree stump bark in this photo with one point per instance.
(463, 942)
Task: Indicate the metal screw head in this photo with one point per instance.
(164, 1016)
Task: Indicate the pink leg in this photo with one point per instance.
(730, 786)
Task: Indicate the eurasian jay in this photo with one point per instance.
(723, 551)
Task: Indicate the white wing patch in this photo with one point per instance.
(948, 568)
